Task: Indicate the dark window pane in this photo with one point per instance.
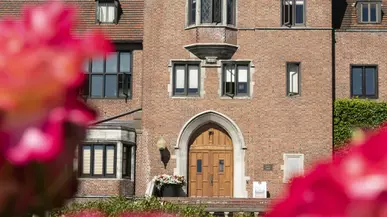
(221, 166)
(373, 12)
(287, 12)
(124, 161)
(111, 62)
(365, 12)
(125, 62)
(230, 12)
(123, 85)
(199, 166)
(97, 65)
(206, 11)
(299, 12)
(96, 85)
(129, 160)
(357, 81)
(111, 85)
(192, 12)
(217, 11)
(86, 85)
(370, 75)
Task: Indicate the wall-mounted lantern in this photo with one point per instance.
(161, 144)
(164, 152)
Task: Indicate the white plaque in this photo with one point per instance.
(259, 189)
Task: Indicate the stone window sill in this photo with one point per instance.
(236, 98)
(210, 25)
(104, 179)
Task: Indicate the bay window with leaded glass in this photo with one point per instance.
(215, 12)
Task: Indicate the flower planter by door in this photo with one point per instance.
(170, 191)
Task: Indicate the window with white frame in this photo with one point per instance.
(293, 166)
(186, 79)
(212, 11)
(98, 160)
(369, 11)
(107, 11)
(235, 79)
(293, 79)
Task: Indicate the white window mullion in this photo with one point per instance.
(119, 160)
(132, 162)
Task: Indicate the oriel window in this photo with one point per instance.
(211, 11)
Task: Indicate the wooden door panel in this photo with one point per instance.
(210, 163)
(222, 170)
(199, 174)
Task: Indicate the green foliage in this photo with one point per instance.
(350, 114)
(117, 205)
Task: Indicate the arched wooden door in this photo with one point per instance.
(210, 163)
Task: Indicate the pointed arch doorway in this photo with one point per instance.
(191, 127)
(210, 162)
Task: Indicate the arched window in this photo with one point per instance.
(211, 12)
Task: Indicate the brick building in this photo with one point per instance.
(237, 91)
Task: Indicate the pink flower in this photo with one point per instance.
(40, 73)
(350, 186)
(40, 186)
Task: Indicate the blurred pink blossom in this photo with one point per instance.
(86, 213)
(40, 73)
(149, 214)
(353, 185)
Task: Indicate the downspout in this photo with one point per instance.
(333, 87)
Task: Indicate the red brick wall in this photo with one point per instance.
(108, 108)
(105, 187)
(360, 48)
(263, 13)
(350, 18)
(271, 123)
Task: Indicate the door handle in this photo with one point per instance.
(211, 179)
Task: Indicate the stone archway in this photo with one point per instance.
(239, 179)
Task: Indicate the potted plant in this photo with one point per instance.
(169, 185)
